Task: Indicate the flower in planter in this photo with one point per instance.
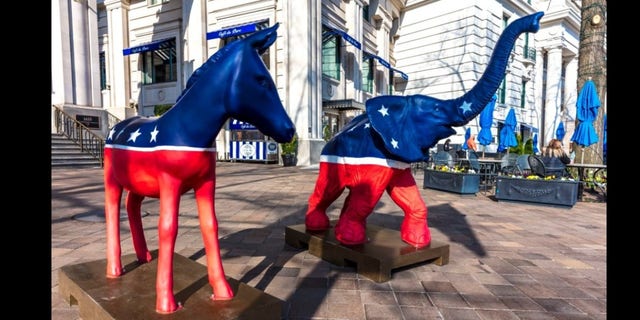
(535, 177)
(455, 169)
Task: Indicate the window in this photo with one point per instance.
(103, 71)
(529, 53)
(365, 13)
(330, 54)
(502, 91)
(367, 75)
(160, 65)
(523, 94)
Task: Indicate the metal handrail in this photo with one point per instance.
(112, 120)
(88, 141)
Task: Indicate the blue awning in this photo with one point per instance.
(233, 31)
(402, 74)
(385, 63)
(345, 36)
(149, 46)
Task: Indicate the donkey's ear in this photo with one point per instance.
(263, 39)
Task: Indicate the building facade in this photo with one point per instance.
(127, 57)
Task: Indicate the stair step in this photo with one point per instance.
(66, 153)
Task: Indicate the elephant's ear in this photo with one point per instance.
(394, 120)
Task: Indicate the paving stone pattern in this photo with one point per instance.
(508, 260)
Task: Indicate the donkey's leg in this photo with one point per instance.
(112, 196)
(367, 186)
(209, 229)
(329, 186)
(405, 193)
(167, 232)
(134, 205)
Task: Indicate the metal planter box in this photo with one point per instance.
(463, 183)
(555, 192)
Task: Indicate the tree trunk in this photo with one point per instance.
(592, 64)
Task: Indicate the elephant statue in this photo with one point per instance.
(374, 152)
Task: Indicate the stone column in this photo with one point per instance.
(119, 78)
(93, 50)
(570, 98)
(552, 115)
(57, 52)
(303, 66)
(194, 45)
(353, 78)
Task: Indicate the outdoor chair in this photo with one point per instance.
(508, 164)
(522, 165)
(443, 158)
(474, 164)
(548, 166)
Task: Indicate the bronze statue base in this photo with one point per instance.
(375, 259)
(133, 295)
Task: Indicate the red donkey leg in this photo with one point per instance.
(134, 205)
(167, 231)
(112, 196)
(209, 230)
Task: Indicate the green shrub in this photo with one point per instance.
(159, 109)
(290, 147)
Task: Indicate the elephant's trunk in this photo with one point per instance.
(471, 104)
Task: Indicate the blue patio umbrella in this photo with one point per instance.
(535, 144)
(560, 132)
(508, 132)
(467, 135)
(486, 120)
(587, 106)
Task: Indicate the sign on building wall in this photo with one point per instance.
(91, 122)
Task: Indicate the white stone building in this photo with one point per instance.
(128, 57)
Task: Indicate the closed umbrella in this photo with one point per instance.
(486, 120)
(560, 132)
(467, 135)
(535, 144)
(508, 132)
(587, 106)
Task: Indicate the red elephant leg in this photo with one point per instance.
(167, 233)
(367, 184)
(112, 196)
(329, 186)
(209, 230)
(405, 193)
(134, 205)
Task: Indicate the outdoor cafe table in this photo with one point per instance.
(583, 173)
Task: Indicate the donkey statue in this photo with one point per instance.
(164, 157)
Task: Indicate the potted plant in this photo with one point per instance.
(456, 179)
(533, 189)
(289, 152)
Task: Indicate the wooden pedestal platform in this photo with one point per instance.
(375, 259)
(133, 295)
